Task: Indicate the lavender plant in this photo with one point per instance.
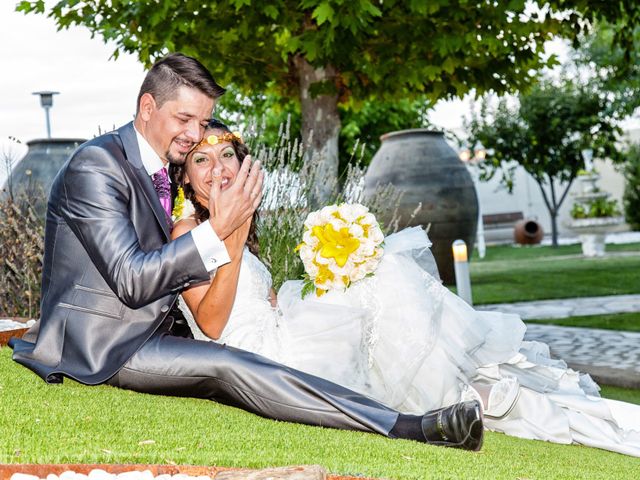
(293, 182)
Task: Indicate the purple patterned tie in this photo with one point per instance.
(163, 188)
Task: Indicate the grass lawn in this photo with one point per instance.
(522, 252)
(72, 423)
(511, 274)
(629, 322)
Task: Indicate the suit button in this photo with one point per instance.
(164, 308)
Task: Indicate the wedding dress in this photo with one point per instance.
(402, 338)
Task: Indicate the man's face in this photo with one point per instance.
(174, 128)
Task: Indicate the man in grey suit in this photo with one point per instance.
(111, 278)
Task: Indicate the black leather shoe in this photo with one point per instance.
(457, 426)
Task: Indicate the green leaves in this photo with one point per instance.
(323, 12)
(442, 48)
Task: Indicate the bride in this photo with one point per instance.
(398, 336)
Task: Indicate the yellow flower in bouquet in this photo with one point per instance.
(341, 244)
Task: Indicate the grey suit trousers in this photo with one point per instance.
(184, 367)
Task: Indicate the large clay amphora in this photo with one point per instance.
(34, 174)
(421, 164)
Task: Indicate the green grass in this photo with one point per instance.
(620, 321)
(72, 423)
(622, 394)
(523, 252)
(509, 274)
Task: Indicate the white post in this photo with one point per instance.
(482, 247)
(461, 268)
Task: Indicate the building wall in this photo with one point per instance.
(526, 198)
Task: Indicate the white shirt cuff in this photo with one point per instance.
(211, 249)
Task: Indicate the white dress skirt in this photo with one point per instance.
(402, 338)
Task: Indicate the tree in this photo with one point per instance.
(328, 53)
(631, 198)
(615, 70)
(546, 134)
(361, 128)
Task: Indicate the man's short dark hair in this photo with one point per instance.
(176, 70)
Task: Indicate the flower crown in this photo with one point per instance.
(216, 139)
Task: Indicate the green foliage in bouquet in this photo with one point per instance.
(21, 252)
(631, 198)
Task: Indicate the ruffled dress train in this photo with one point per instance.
(402, 338)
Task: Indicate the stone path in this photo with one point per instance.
(569, 307)
(611, 357)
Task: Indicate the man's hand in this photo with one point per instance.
(230, 209)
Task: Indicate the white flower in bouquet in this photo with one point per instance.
(341, 244)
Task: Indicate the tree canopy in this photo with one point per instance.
(326, 53)
(616, 70)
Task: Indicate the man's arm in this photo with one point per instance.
(95, 204)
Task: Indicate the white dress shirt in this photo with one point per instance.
(211, 249)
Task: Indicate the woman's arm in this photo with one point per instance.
(211, 302)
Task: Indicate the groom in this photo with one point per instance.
(111, 277)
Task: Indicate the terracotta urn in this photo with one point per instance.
(420, 163)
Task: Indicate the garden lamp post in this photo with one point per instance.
(46, 102)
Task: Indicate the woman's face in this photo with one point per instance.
(204, 159)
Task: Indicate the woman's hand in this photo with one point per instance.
(236, 241)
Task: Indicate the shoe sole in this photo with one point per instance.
(504, 413)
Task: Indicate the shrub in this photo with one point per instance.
(21, 252)
(631, 198)
(596, 208)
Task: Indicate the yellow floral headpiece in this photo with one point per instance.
(216, 139)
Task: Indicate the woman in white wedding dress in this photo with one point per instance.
(398, 336)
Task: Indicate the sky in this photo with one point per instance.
(95, 92)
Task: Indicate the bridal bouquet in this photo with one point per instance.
(341, 244)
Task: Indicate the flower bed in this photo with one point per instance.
(13, 327)
(131, 472)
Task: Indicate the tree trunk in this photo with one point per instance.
(553, 205)
(554, 228)
(320, 125)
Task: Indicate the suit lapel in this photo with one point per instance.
(132, 153)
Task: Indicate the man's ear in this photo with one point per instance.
(147, 106)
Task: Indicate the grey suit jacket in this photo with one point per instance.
(110, 274)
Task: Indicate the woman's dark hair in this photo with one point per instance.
(177, 173)
(174, 71)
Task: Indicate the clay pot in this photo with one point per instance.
(527, 232)
(421, 164)
(37, 169)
